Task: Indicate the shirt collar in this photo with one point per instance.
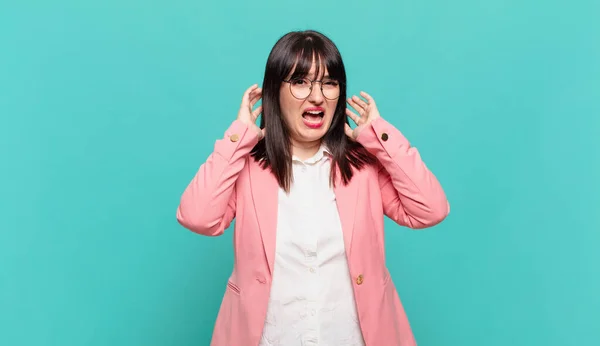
(323, 152)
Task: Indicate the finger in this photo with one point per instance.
(356, 106)
(368, 97)
(348, 131)
(256, 94)
(250, 90)
(257, 112)
(352, 116)
(262, 131)
(246, 97)
(254, 99)
(360, 102)
(257, 91)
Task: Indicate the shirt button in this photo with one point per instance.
(234, 138)
(312, 270)
(384, 136)
(359, 279)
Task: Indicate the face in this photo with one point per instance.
(308, 119)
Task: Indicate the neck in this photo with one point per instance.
(305, 150)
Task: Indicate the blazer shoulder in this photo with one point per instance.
(367, 173)
(372, 169)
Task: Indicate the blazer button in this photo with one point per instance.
(234, 138)
(384, 136)
(359, 279)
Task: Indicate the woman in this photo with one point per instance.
(309, 194)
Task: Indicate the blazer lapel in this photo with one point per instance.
(347, 199)
(265, 191)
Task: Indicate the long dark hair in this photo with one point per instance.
(298, 49)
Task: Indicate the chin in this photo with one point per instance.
(313, 131)
(313, 137)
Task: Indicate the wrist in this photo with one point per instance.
(258, 131)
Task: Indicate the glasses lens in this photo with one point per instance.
(301, 88)
(331, 89)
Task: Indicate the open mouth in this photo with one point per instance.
(313, 119)
(313, 116)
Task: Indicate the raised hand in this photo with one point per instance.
(367, 112)
(246, 114)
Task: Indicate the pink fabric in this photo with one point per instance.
(231, 185)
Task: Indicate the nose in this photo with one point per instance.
(316, 95)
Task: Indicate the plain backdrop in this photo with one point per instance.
(108, 108)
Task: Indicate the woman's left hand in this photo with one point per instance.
(367, 112)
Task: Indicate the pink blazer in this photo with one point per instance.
(231, 185)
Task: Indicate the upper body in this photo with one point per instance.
(308, 237)
(311, 290)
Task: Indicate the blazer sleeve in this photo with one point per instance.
(208, 204)
(411, 195)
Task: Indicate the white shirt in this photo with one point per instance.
(312, 301)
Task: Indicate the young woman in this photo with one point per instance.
(308, 194)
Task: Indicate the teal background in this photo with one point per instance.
(108, 108)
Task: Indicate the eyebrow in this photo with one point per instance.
(327, 76)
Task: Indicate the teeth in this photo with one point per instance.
(314, 112)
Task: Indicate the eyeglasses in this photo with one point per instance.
(302, 87)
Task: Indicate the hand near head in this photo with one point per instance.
(367, 112)
(246, 114)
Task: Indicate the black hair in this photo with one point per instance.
(298, 50)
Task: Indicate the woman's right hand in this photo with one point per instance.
(246, 114)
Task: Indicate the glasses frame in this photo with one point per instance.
(312, 83)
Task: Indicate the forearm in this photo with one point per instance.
(411, 193)
(207, 205)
